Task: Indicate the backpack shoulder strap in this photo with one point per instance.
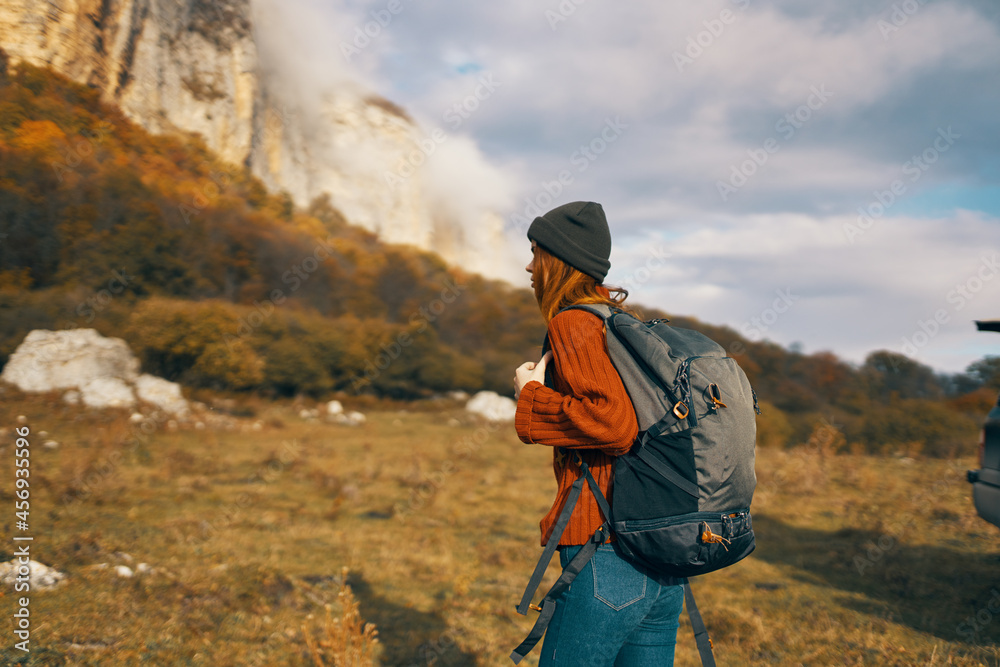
(698, 626)
(547, 606)
(601, 310)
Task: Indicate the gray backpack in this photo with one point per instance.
(682, 493)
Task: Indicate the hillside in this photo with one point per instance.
(233, 72)
(217, 283)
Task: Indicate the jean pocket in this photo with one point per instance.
(617, 583)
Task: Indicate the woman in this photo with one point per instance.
(615, 612)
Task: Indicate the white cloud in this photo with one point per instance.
(848, 298)
(784, 229)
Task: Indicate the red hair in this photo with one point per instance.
(558, 285)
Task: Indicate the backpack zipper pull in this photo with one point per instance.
(708, 537)
(715, 394)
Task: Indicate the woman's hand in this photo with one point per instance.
(529, 371)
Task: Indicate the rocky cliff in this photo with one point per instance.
(195, 66)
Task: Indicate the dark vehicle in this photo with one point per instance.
(986, 480)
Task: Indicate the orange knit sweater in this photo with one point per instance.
(589, 410)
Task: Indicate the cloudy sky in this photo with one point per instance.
(814, 172)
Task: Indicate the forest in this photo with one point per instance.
(218, 284)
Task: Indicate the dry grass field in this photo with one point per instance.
(860, 560)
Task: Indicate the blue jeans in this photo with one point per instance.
(614, 613)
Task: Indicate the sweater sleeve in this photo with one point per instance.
(589, 408)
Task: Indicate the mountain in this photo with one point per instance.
(197, 66)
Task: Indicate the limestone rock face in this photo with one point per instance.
(194, 66)
(99, 372)
(492, 406)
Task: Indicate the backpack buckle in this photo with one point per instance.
(681, 410)
(534, 607)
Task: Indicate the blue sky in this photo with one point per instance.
(744, 137)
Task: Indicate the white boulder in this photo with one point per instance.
(97, 371)
(334, 408)
(50, 360)
(164, 394)
(107, 392)
(492, 406)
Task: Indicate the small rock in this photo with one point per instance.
(334, 408)
(454, 422)
(72, 397)
(492, 406)
(135, 418)
(21, 419)
(43, 434)
(143, 568)
(41, 577)
(355, 418)
(50, 444)
(123, 571)
(162, 393)
(199, 426)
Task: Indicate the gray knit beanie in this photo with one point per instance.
(578, 234)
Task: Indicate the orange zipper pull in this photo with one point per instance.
(708, 537)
